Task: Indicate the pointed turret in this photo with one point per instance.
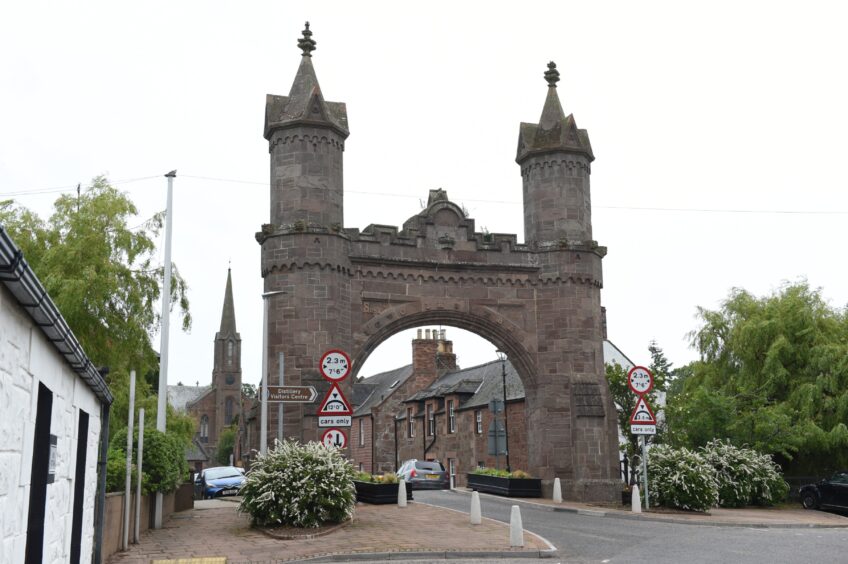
(555, 131)
(305, 104)
(555, 158)
(228, 314)
(306, 136)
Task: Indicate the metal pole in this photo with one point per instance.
(506, 424)
(127, 494)
(282, 358)
(263, 419)
(161, 406)
(139, 469)
(645, 469)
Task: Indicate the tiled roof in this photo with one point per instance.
(372, 390)
(181, 396)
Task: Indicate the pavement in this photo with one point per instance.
(215, 532)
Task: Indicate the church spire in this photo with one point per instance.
(228, 315)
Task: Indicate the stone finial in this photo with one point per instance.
(306, 43)
(552, 75)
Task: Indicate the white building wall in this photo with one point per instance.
(27, 358)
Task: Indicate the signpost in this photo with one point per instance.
(642, 420)
(335, 411)
(335, 365)
(334, 438)
(292, 394)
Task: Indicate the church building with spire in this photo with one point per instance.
(219, 405)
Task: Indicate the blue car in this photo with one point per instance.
(220, 481)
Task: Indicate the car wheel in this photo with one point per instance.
(808, 500)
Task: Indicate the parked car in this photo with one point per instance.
(424, 474)
(219, 481)
(831, 493)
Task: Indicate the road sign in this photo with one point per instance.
(642, 414)
(334, 438)
(334, 365)
(497, 439)
(640, 380)
(334, 420)
(334, 403)
(643, 429)
(292, 394)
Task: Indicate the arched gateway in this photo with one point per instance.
(351, 289)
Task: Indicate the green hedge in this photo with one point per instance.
(164, 464)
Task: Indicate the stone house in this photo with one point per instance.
(55, 418)
(433, 410)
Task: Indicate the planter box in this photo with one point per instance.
(510, 487)
(368, 492)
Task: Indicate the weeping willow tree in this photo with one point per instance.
(773, 375)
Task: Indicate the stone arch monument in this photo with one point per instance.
(539, 300)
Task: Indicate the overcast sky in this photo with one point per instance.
(719, 133)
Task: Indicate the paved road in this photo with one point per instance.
(582, 538)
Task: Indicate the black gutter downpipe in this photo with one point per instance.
(100, 504)
(397, 461)
(373, 437)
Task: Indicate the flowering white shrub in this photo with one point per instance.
(299, 485)
(681, 478)
(744, 475)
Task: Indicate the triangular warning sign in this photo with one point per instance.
(335, 403)
(642, 414)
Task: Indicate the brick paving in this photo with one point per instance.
(215, 529)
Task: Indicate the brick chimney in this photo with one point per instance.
(432, 356)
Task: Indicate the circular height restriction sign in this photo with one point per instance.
(640, 380)
(335, 365)
(334, 438)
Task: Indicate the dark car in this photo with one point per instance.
(424, 474)
(219, 481)
(831, 493)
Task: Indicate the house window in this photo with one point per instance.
(361, 432)
(431, 421)
(204, 428)
(410, 427)
(451, 417)
(361, 467)
(228, 411)
(478, 418)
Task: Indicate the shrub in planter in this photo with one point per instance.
(744, 475)
(681, 478)
(299, 485)
(514, 484)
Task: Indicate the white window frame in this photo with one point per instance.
(431, 420)
(361, 432)
(410, 424)
(478, 420)
(451, 417)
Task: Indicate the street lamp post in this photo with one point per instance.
(263, 401)
(502, 357)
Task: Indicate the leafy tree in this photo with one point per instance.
(164, 465)
(773, 374)
(226, 444)
(660, 367)
(100, 272)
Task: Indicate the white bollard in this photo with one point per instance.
(401, 493)
(557, 491)
(635, 502)
(516, 529)
(476, 514)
